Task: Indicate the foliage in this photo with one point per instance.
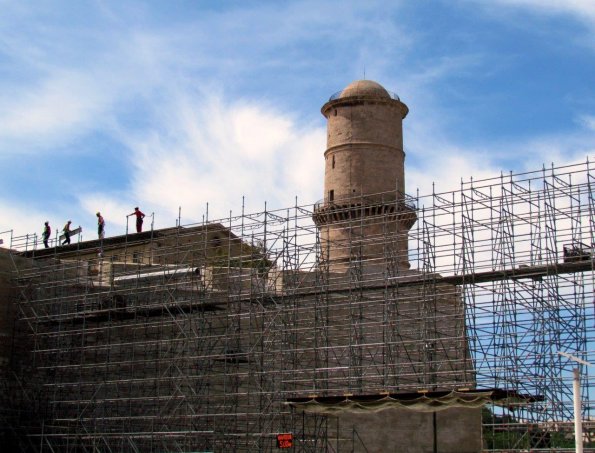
(501, 432)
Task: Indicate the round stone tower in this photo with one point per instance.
(364, 217)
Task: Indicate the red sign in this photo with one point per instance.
(285, 440)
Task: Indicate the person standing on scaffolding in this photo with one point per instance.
(100, 226)
(47, 232)
(139, 219)
(66, 231)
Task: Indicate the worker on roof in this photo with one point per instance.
(47, 232)
(139, 219)
(100, 226)
(66, 231)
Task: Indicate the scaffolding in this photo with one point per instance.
(221, 335)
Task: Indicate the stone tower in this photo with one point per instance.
(364, 180)
(364, 223)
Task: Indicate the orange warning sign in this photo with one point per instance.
(285, 440)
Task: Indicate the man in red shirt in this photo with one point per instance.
(100, 226)
(139, 219)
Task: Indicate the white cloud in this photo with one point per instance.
(195, 146)
(443, 169)
(20, 222)
(440, 161)
(587, 121)
(21, 227)
(214, 152)
(77, 80)
(434, 156)
(62, 89)
(581, 9)
(246, 126)
(64, 104)
(114, 210)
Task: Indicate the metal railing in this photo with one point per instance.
(338, 94)
(402, 201)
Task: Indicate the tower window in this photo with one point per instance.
(333, 161)
(331, 195)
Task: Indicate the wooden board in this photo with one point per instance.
(72, 233)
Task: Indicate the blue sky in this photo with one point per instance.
(106, 105)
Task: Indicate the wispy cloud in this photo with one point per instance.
(212, 151)
(180, 101)
(63, 106)
(541, 12)
(76, 79)
(587, 121)
(440, 160)
(220, 101)
(583, 10)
